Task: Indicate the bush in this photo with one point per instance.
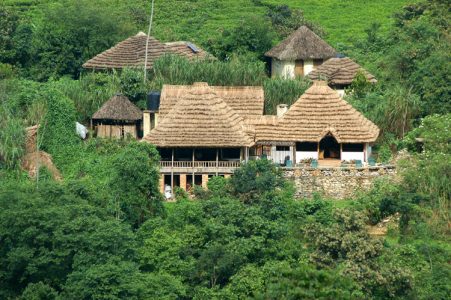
(254, 179)
(12, 139)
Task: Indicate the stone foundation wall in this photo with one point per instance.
(336, 183)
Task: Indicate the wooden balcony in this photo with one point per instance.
(199, 166)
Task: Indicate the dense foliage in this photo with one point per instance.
(104, 232)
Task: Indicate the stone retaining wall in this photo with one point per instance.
(336, 183)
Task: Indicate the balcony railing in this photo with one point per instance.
(200, 164)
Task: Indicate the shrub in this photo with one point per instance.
(12, 139)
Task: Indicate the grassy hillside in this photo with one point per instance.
(202, 20)
(342, 20)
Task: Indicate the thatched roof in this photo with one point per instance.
(187, 49)
(118, 108)
(339, 71)
(200, 118)
(302, 44)
(318, 112)
(247, 101)
(132, 51)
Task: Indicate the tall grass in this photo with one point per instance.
(178, 70)
(89, 92)
(172, 69)
(12, 139)
(283, 91)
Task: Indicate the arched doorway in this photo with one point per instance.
(329, 148)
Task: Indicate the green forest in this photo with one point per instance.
(104, 231)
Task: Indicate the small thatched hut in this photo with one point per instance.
(299, 54)
(132, 51)
(117, 118)
(339, 72)
(321, 125)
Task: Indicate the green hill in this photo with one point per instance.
(342, 20)
(201, 20)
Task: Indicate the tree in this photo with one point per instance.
(71, 32)
(252, 37)
(285, 20)
(305, 282)
(135, 182)
(255, 178)
(48, 233)
(346, 245)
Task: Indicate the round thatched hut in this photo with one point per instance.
(117, 118)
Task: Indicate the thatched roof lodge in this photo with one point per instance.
(132, 51)
(339, 72)
(321, 125)
(118, 117)
(298, 54)
(206, 130)
(199, 118)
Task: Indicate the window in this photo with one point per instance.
(353, 147)
(307, 146)
(282, 148)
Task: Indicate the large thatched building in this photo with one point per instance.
(205, 130)
(299, 54)
(117, 118)
(132, 51)
(202, 131)
(339, 72)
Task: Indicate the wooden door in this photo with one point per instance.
(299, 68)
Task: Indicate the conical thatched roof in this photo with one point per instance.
(247, 101)
(132, 51)
(302, 44)
(318, 112)
(118, 108)
(339, 71)
(200, 118)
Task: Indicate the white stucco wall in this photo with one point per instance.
(341, 92)
(308, 66)
(300, 155)
(353, 156)
(282, 68)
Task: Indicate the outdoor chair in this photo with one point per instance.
(358, 163)
(371, 162)
(314, 163)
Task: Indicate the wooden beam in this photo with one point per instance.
(172, 170)
(217, 161)
(193, 181)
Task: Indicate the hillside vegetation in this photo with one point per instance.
(105, 232)
(201, 21)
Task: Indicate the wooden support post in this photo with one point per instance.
(217, 161)
(172, 170)
(183, 181)
(318, 150)
(293, 154)
(341, 151)
(194, 181)
(204, 180)
(162, 183)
